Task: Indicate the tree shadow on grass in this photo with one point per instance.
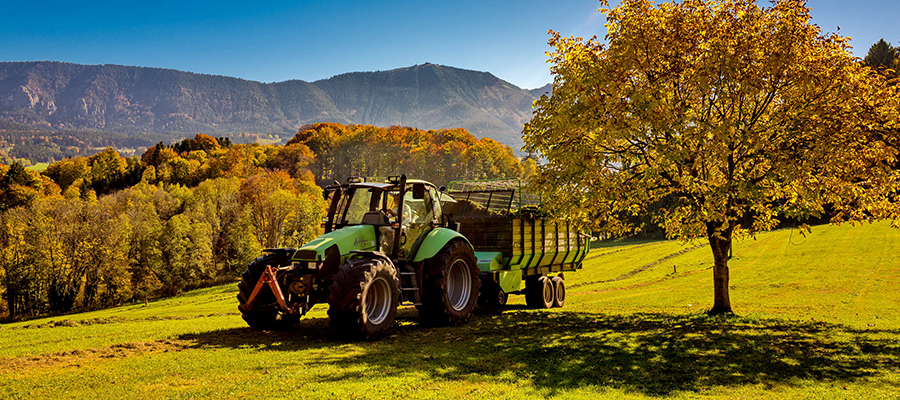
(653, 354)
(307, 334)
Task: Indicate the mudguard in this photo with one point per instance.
(435, 241)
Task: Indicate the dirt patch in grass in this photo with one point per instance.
(77, 358)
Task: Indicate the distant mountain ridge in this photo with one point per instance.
(136, 100)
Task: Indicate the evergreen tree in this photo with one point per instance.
(881, 55)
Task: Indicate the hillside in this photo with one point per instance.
(818, 318)
(138, 100)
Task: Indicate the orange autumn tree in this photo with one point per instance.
(438, 156)
(716, 118)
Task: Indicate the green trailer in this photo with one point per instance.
(518, 251)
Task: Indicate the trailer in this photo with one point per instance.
(518, 250)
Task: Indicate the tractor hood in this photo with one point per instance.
(358, 237)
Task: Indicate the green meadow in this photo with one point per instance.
(39, 167)
(818, 316)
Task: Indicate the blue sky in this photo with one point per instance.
(310, 40)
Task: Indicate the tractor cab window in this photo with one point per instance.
(357, 206)
(418, 218)
(392, 204)
(415, 210)
(421, 219)
(423, 208)
(435, 204)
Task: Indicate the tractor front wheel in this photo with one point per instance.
(363, 298)
(264, 313)
(451, 282)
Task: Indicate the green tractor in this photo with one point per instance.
(395, 242)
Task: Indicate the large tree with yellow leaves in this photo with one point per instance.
(718, 118)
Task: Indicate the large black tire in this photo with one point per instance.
(559, 291)
(264, 314)
(363, 298)
(539, 292)
(491, 295)
(450, 287)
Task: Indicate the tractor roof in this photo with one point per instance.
(388, 185)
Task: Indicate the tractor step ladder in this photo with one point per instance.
(410, 284)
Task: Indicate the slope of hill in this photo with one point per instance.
(818, 319)
(153, 100)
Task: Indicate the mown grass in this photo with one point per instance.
(817, 318)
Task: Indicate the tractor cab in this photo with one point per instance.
(402, 211)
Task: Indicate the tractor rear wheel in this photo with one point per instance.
(559, 291)
(539, 292)
(363, 298)
(450, 287)
(263, 314)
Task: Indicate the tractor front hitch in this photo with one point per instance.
(270, 277)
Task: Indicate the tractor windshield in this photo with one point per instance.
(358, 206)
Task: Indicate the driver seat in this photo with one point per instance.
(377, 218)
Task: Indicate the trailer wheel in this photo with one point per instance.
(263, 314)
(363, 298)
(539, 292)
(450, 287)
(492, 296)
(559, 291)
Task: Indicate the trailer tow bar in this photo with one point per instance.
(270, 277)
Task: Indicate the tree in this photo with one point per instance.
(16, 175)
(881, 55)
(18, 187)
(107, 170)
(66, 172)
(232, 241)
(24, 289)
(730, 114)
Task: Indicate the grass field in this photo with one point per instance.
(39, 167)
(818, 317)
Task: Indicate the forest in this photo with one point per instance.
(98, 231)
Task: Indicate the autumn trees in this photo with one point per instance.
(63, 253)
(722, 117)
(438, 156)
(92, 232)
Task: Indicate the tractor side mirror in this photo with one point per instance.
(418, 191)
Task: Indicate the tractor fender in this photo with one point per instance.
(372, 255)
(436, 240)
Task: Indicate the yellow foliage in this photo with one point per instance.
(714, 116)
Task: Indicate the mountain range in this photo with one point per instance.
(136, 100)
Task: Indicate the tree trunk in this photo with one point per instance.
(720, 242)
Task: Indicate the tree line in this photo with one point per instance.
(438, 156)
(99, 231)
